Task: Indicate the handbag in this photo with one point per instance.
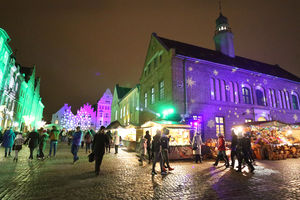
(91, 157)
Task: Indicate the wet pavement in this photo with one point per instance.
(121, 177)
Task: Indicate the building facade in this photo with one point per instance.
(21, 106)
(126, 105)
(214, 89)
(104, 109)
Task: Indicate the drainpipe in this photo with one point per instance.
(184, 86)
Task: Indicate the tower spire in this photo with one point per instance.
(220, 6)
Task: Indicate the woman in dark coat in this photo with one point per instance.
(8, 141)
(33, 138)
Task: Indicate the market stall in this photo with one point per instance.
(273, 140)
(180, 139)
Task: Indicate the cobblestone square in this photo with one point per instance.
(122, 177)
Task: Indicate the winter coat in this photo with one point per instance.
(117, 139)
(88, 138)
(148, 137)
(77, 138)
(156, 144)
(143, 146)
(234, 142)
(54, 135)
(8, 138)
(18, 142)
(99, 143)
(33, 138)
(198, 141)
(221, 143)
(164, 140)
(43, 140)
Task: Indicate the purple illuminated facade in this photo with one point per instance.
(104, 109)
(217, 89)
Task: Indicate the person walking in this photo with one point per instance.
(222, 151)
(99, 143)
(43, 141)
(143, 149)
(82, 139)
(243, 154)
(165, 148)
(116, 142)
(88, 141)
(148, 138)
(19, 140)
(108, 133)
(33, 138)
(63, 134)
(156, 149)
(54, 136)
(8, 141)
(77, 136)
(197, 142)
(233, 154)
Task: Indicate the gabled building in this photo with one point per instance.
(104, 109)
(214, 89)
(126, 105)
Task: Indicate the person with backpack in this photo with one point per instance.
(19, 140)
(156, 149)
(43, 141)
(77, 136)
(8, 141)
(197, 142)
(165, 148)
(54, 136)
(88, 141)
(108, 133)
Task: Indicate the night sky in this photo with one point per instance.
(80, 48)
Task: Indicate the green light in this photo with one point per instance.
(167, 112)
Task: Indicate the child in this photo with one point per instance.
(18, 145)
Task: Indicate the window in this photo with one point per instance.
(160, 58)
(279, 99)
(152, 95)
(100, 123)
(155, 62)
(295, 101)
(146, 99)
(220, 125)
(116, 115)
(283, 100)
(124, 111)
(260, 97)
(217, 90)
(212, 89)
(287, 100)
(100, 114)
(161, 90)
(246, 95)
(106, 115)
(231, 88)
(223, 90)
(121, 113)
(248, 120)
(236, 93)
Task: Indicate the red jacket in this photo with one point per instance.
(221, 143)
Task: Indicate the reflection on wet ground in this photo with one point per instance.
(122, 177)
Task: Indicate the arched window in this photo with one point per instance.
(246, 95)
(212, 89)
(231, 87)
(295, 101)
(260, 97)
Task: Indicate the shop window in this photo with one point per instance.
(212, 89)
(161, 90)
(260, 97)
(152, 95)
(146, 99)
(246, 95)
(220, 125)
(295, 101)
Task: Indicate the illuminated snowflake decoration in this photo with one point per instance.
(227, 87)
(192, 100)
(237, 116)
(190, 82)
(190, 69)
(265, 81)
(284, 89)
(229, 111)
(228, 116)
(248, 80)
(295, 117)
(284, 111)
(220, 108)
(248, 111)
(216, 72)
(234, 69)
(211, 123)
(235, 108)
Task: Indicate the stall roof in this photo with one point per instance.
(114, 125)
(167, 124)
(264, 123)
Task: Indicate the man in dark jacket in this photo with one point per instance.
(76, 143)
(165, 148)
(156, 149)
(243, 154)
(148, 137)
(33, 138)
(233, 153)
(99, 144)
